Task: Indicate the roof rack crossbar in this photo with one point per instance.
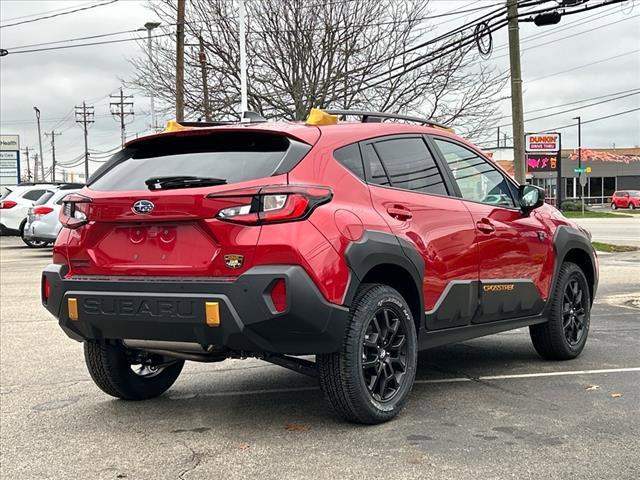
(375, 116)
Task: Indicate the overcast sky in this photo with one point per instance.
(554, 74)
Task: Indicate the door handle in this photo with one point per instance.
(399, 213)
(485, 226)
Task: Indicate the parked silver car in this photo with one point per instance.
(43, 224)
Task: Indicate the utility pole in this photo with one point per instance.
(85, 115)
(202, 56)
(579, 140)
(35, 167)
(40, 143)
(180, 62)
(498, 138)
(26, 156)
(150, 26)
(121, 109)
(53, 152)
(517, 113)
(243, 60)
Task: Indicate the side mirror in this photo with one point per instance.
(531, 197)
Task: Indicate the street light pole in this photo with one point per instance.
(582, 174)
(150, 26)
(579, 140)
(180, 62)
(40, 143)
(243, 60)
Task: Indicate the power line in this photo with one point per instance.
(58, 14)
(574, 102)
(77, 39)
(582, 66)
(122, 32)
(20, 17)
(574, 109)
(590, 121)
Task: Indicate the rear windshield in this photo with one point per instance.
(634, 193)
(46, 196)
(231, 156)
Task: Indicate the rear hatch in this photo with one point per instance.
(151, 211)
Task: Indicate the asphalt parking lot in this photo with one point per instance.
(487, 408)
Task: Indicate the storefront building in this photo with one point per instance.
(607, 170)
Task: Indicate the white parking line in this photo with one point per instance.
(187, 396)
(531, 375)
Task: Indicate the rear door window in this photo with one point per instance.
(5, 193)
(44, 198)
(33, 194)
(229, 156)
(409, 165)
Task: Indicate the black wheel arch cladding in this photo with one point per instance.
(571, 244)
(377, 248)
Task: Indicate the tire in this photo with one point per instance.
(631, 206)
(28, 242)
(111, 371)
(614, 206)
(381, 311)
(564, 335)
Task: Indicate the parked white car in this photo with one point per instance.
(15, 203)
(43, 223)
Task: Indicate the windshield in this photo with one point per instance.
(230, 156)
(634, 193)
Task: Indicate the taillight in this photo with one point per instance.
(278, 295)
(46, 289)
(75, 211)
(5, 204)
(37, 211)
(274, 204)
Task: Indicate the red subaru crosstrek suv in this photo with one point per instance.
(625, 199)
(359, 243)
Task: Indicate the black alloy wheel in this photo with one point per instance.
(384, 354)
(573, 312)
(564, 334)
(370, 378)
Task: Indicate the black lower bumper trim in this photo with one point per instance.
(174, 310)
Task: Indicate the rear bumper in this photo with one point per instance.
(38, 230)
(174, 310)
(4, 230)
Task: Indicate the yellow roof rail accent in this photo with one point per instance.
(447, 129)
(320, 117)
(173, 126)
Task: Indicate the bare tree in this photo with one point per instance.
(320, 53)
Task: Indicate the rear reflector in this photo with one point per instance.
(279, 295)
(212, 313)
(72, 304)
(46, 289)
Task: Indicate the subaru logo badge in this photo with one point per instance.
(143, 206)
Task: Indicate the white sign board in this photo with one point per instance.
(542, 142)
(10, 142)
(9, 159)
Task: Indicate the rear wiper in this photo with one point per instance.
(165, 183)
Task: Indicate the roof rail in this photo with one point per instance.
(371, 117)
